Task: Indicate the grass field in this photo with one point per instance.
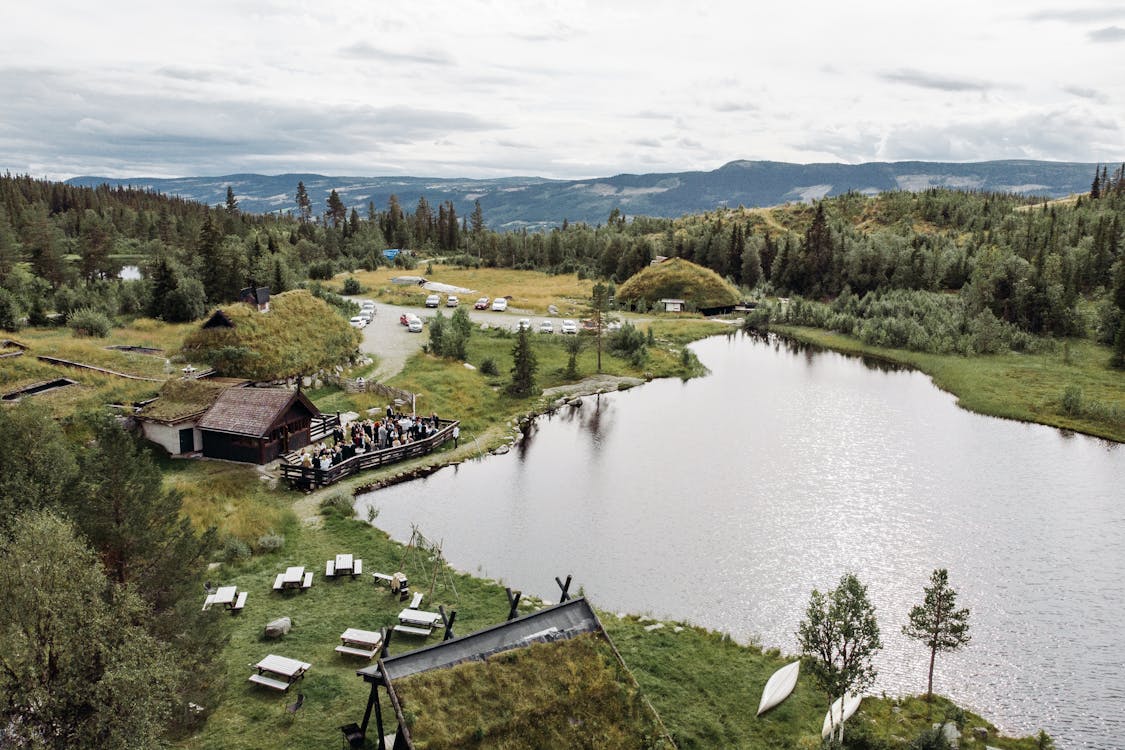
(93, 389)
(529, 290)
(1027, 387)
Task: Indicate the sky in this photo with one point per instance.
(568, 89)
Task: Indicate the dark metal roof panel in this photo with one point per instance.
(561, 622)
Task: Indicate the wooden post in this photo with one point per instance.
(565, 589)
(514, 602)
(386, 639)
(447, 621)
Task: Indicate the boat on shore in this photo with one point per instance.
(832, 719)
(779, 686)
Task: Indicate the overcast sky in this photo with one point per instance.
(566, 89)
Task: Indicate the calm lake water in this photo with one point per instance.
(725, 500)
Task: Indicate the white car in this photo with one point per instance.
(613, 325)
(358, 321)
(414, 324)
(524, 324)
(367, 305)
(499, 304)
(569, 326)
(367, 313)
(433, 300)
(546, 326)
(451, 301)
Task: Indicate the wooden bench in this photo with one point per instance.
(416, 601)
(358, 569)
(279, 582)
(382, 577)
(330, 569)
(269, 682)
(208, 601)
(307, 583)
(355, 651)
(239, 603)
(411, 630)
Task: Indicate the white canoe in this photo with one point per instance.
(832, 718)
(779, 686)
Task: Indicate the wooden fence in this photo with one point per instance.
(308, 477)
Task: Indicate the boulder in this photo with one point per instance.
(500, 451)
(279, 627)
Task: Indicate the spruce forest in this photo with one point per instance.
(939, 271)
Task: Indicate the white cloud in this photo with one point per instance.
(577, 89)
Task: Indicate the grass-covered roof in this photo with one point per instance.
(678, 279)
(298, 336)
(572, 693)
(180, 399)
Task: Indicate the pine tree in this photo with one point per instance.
(304, 205)
(524, 365)
(232, 203)
(476, 220)
(1096, 185)
(937, 623)
(337, 211)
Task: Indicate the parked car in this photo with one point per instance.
(523, 324)
(414, 324)
(358, 321)
(613, 325)
(433, 300)
(499, 304)
(568, 326)
(404, 319)
(546, 326)
(452, 301)
(367, 305)
(367, 313)
(481, 304)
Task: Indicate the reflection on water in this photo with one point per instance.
(725, 500)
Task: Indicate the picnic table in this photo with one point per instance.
(290, 670)
(227, 596)
(294, 577)
(358, 642)
(344, 564)
(419, 617)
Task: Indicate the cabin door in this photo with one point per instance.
(187, 440)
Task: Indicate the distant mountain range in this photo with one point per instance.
(514, 202)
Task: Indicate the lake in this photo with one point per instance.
(725, 500)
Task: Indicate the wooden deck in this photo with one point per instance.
(309, 478)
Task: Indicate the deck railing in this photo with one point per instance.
(308, 477)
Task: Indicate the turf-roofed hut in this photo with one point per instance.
(171, 421)
(677, 281)
(256, 425)
(552, 678)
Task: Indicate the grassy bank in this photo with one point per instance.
(704, 686)
(1027, 387)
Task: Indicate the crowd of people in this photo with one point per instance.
(362, 436)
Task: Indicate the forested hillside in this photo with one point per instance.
(938, 270)
(535, 203)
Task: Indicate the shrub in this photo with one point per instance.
(234, 549)
(1072, 400)
(270, 542)
(930, 739)
(339, 504)
(488, 367)
(87, 322)
(352, 286)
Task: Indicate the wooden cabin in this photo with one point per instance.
(256, 425)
